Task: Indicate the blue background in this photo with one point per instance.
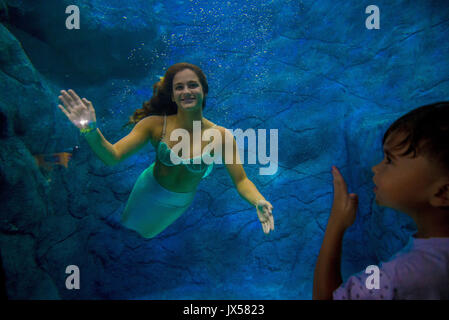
(310, 69)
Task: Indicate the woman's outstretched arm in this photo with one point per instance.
(245, 187)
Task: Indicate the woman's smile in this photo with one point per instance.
(190, 100)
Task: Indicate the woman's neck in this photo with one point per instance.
(185, 119)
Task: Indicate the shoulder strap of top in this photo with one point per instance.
(163, 130)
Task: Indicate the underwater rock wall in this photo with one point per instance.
(100, 49)
(22, 191)
(309, 69)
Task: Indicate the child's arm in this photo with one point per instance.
(327, 275)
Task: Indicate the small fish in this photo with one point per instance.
(49, 160)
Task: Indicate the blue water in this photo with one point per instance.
(310, 69)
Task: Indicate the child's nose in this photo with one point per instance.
(374, 168)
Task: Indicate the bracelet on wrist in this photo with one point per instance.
(90, 127)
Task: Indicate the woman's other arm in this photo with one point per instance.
(245, 187)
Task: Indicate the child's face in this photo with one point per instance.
(402, 182)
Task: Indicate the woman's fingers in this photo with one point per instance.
(88, 104)
(263, 222)
(74, 96)
(266, 217)
(68, 115)
(66, 100)
(270, 220)
(265, 227)
(63, 110)
(70, 99)
(269, 215)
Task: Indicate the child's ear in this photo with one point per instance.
(441, 197)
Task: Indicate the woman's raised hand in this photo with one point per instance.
(79, 111)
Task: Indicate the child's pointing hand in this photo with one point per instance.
(344, 207)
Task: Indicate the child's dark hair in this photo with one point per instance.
(427, 132)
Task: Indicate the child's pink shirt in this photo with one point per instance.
(419, 271)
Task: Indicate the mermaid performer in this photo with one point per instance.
(166, 190)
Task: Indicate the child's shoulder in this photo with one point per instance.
(424, 263)
(420, 270)
(431, 250)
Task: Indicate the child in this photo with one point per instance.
(413, 178)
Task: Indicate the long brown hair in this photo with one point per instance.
(161, 103)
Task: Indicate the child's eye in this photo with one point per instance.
(388, 159)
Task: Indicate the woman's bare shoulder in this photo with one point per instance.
(225, 134)
(154, 124)
(216, 126)
(211, 124)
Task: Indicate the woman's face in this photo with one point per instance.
(187, 90)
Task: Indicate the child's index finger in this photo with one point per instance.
(339, 182)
